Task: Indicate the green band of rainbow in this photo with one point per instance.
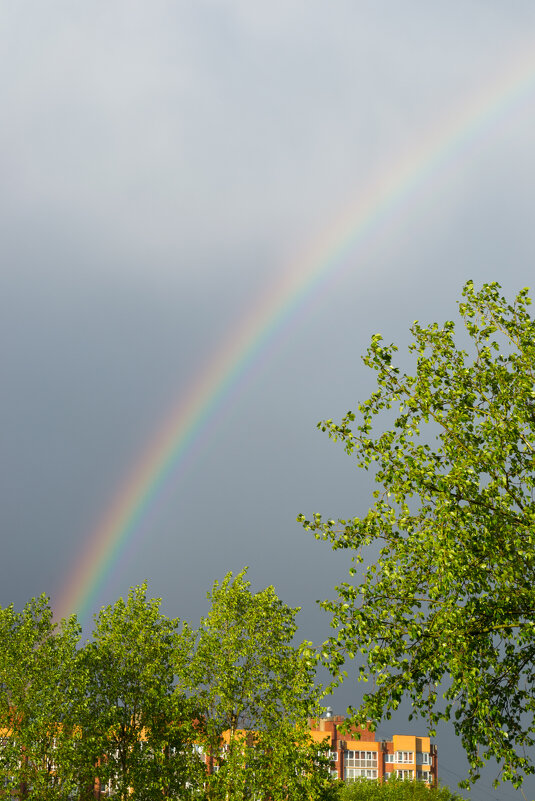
(375, 204)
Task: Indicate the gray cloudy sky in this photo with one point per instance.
(161, 163)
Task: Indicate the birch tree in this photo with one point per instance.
(38, 694)
(446, 615)
(257, 691)
(138, 727)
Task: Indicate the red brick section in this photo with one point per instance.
(338, 745)
(388, 767)
(331, 725)
(434, 765)
(338, 739)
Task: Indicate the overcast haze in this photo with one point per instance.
(161, 165)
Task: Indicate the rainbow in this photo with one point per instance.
(197, 412)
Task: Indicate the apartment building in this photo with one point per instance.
(357, 753)
(354, 754)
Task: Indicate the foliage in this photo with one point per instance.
(38, 683)
(283, 763)
(394, 790)
(258, 688)
(449, 602)
(138, 727)
(133, 705)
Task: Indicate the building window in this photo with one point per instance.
(423, 775)
(333, 770)
(405, 756)
(405, 774)
(390, 758)
(422, 758)
(352, 774)
(360, 759)
(360, 764)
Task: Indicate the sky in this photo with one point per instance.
(198, 186)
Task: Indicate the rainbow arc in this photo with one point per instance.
(174, 440)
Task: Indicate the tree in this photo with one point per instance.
(394, 790)
(257, 692)
(38, 692)
(138, 729)
(446, 615)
